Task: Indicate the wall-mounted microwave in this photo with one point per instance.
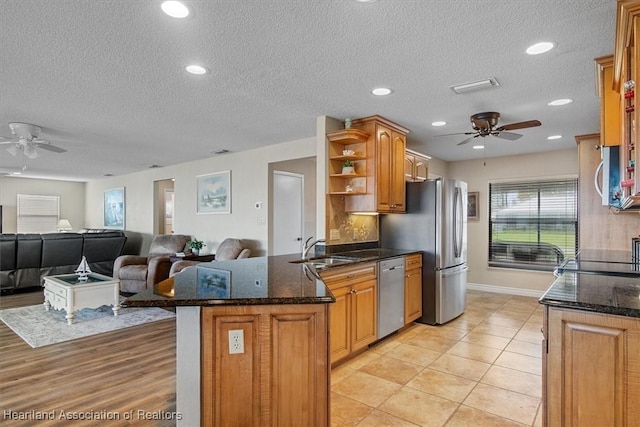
(610, 191)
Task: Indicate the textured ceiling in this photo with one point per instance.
(105, 79)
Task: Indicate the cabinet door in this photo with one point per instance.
(421, 169)
(593, 371)
(412, 295)
(610, 118)
(409, 168)
(397, 193)
(363, 314)
(383, 167)
(340, 324)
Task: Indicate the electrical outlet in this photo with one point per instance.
(236, 341)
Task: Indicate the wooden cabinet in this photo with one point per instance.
(390, 152)
(413, 288)
(282, 378)
(383, 188)
(416, 166)
(610, 120)
(353, 322)
(591, 369)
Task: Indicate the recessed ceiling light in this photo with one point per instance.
(539, 48)
(554, 137)
(439, 123)
(558, 102)
(478, 147)
(381, 91)
(175, 9)
(196, 69)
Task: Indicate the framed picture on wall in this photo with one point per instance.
(472, 205)
(214, 193)
(114, 208)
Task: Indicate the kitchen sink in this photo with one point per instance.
(326, 261)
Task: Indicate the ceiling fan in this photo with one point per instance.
(484, 124)
(27, 141)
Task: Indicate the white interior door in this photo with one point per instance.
(288, 203)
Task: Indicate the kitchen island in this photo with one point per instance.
(253, 339)
(591, 343)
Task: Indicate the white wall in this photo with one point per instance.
(249, 184)
(478, 174)
(72, 199)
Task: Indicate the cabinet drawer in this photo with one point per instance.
(56, 290)
(413, 261)
(57, 301)
(346, 276)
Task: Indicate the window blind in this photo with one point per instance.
(533, 225)
(37, 214)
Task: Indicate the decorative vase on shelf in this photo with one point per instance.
(195, 252)
(348, 170)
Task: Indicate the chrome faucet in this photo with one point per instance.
(307, 246)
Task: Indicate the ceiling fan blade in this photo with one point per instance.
(7, 142)
(467, 140)
(50, 147)
(507, 135)
(520, 125)
(458, 133)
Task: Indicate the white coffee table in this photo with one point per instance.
(67, 292)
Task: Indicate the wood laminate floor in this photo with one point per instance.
(103, 376)
(482, 369)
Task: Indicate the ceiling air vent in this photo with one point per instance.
(474, 86)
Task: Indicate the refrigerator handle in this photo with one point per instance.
(457, 218)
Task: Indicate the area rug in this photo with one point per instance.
(39, 327)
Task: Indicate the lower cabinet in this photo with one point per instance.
(591, 369)
(353, 322)
(281, 378)
(413, 288)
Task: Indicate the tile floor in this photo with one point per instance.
(482, 369)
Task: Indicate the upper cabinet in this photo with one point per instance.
(376, 148)
(625, 75)
(390, 148)
(610, 118)
(416, 166)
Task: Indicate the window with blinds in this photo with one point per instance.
(533, 225)
(37, 214)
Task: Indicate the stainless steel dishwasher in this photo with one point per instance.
(390, 296)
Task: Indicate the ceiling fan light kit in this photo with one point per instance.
(475, 86)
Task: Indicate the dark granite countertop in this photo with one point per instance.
(600, 293)
(251, 281)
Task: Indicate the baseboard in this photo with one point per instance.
(505, 290)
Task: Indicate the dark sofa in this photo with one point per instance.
(26, 258)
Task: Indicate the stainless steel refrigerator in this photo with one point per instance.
(436, 224)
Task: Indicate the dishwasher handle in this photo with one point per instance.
(395, 267)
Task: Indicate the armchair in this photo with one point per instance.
(137, 273)
(227, 250)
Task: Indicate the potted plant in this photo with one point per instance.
(195, 245)
(348, 168)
